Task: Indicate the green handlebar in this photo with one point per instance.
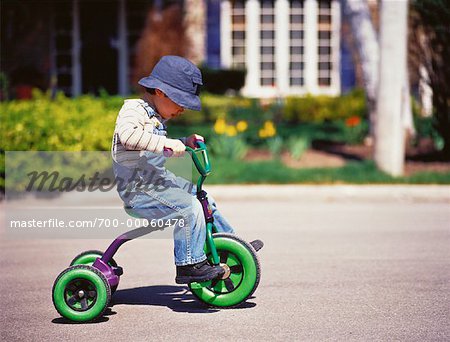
(203, 166)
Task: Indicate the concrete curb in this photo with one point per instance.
(291, 193)
(302, 193)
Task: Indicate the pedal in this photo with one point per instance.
(257, 244)
(118, 271)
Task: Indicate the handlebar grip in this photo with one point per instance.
(200, 143)
(168, 152)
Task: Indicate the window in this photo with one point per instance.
(324, 4)
(267, 50)
(296, 18)
(325, 19)
(296, 66)
(296, 4)
(296, 81)
(324, 35)
(267, 66)
(324, 81)
(267, 81)
(238, 34)
(267, 43)
(324, 50)
(296, 48)
(267, 4)
(239, 19)
(238, 50)
(296, 34)
(325, 64)
(267, 34)
(267, 19)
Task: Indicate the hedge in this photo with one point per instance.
(322, 108)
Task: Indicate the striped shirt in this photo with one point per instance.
(139, 128)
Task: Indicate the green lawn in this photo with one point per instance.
(238, 172)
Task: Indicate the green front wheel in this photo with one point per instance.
(81, 293)
(241, 278)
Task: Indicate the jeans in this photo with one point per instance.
(178, 201)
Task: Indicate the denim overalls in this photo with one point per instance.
(174, 199)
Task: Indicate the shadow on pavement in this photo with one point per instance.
(176, 298)
(61, 320)
(108, 312)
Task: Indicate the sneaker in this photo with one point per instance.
(199, 272)
(257, 244)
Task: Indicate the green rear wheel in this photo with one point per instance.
(88, 258)
(81, 293)
(241, 278)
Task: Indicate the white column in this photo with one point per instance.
(252, 44)
(389, 129)
(311, 45)
(282, 46)
(336, 47)
(122, 49)
(225, 34)
(76, 47)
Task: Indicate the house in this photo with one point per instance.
(287, 47)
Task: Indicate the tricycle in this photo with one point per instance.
(82, 292)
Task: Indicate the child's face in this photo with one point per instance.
(165, 106)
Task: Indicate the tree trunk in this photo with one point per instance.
(389, 128)
(194, 21)
(365, 38)
(366, 41)
(432, 37)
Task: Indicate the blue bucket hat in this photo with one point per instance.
(178, 78)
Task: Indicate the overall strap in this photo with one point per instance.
(161, 127)
(150, 111)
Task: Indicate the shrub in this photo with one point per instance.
(297, 146)
(218, 81)
(275, 146)
(213, 107)
(322, 108)
(228, 147)
(63, 124)
(427, 127)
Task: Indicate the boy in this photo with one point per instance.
(138, 144)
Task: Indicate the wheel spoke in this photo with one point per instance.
(224, 257)
(72, 287)
(236, 269)
(92, 294)
(214, 282)
(72, 300)
(229, 284)
(84, 305)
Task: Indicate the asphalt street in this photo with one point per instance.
(352, 264)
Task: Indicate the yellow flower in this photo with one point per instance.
(268, 130)
(220, 126)
(231, 131)
(241, 126)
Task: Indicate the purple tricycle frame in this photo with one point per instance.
(113, 274)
